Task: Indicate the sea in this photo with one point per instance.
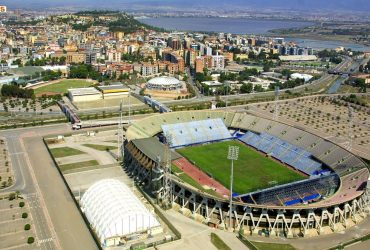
(246, 26)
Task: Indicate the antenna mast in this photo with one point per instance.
(276, 112)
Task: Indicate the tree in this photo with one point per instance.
(266, 67)
(27, 227)
(30, 240)
(201, 77)
(123, 76)
(361, 68)
(11, 90)
(79, 71)
(246, 88)
(287, 73)
(258, 88)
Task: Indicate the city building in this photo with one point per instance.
(84, 94)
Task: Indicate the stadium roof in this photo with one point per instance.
(83, 91)
(114, 88)
(113, 210)
(152, 148)
(298, 58)
(163, 81)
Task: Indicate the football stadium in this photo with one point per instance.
(286, 181)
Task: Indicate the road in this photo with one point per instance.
(57, 220)
(192, 83)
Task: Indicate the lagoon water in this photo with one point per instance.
(219, 24)
(245, 26)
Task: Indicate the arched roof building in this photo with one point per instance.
(114, 211)
(164, 83)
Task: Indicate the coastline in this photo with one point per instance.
(254, 26)
(344, 40)
(212, 25)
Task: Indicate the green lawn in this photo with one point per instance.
(64, 151)
(62, 86)
(272, 246)
(252, 170)
(218, 242)
(100, 147)
(82, 164)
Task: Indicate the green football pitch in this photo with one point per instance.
(62, 86)
(252, 170)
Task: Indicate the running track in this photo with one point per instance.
(200, 177)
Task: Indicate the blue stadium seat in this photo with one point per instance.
(292, 155)
(189, 133)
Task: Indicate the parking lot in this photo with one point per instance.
(14, 216)
(6, 176)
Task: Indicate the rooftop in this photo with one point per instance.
(83, 91)
(113, 210)
(152, 148)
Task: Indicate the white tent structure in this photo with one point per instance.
(114, 211)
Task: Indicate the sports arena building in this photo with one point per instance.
(332, 197)
(115, 213)
(164, 83)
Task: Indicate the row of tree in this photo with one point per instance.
(10, 90)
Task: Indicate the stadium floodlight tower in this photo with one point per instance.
(232, 155)
(276, 112)
(167, 182)
(120, 133)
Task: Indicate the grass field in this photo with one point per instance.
(218, 242)
(62, 86)
(76, 165)
(272, 246)
(100, 147)
(252, 170)
(64, 151)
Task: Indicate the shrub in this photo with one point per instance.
(11, 196)
(30, 240)
(21, 204)
(24, 215)
(27, 227)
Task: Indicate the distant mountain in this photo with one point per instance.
(355, 5)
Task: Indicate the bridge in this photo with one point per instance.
(71, 115)
(156, 104)
(338, 72)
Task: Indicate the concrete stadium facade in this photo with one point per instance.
(348, 206)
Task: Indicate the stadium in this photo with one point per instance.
(287, 181)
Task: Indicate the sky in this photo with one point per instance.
(355, 5)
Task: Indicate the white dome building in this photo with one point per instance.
(114, 212)
(305, 77)
(164, 83)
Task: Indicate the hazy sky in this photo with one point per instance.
(362, 5)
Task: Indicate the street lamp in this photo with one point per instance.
(232, 155)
